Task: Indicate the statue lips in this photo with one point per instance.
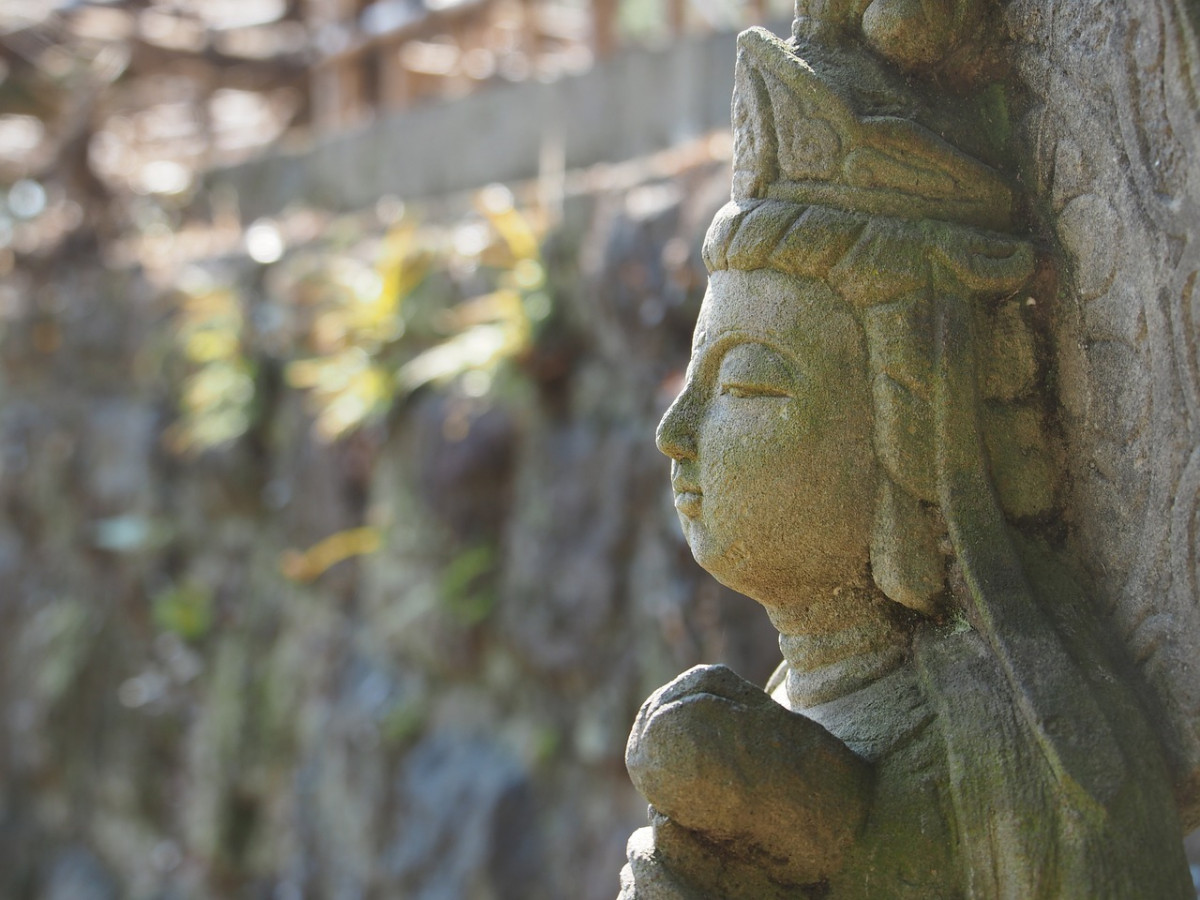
(687, 493)
(687, 501)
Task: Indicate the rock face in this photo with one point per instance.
(916, 428)
(440, 719)
(1111, 140)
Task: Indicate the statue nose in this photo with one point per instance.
(676, 434)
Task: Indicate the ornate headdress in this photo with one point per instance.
(798, 139)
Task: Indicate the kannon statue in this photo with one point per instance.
(865, 445)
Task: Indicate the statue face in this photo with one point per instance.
(770, 441)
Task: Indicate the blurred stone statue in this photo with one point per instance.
(865, 444)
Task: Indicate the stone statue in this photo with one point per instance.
(865, 445)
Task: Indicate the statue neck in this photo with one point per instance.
(847, 653)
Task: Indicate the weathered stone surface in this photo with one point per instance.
(1113, 136)
(870, 445)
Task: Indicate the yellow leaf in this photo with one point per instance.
(309, 564)
(516, 230)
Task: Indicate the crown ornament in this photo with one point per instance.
(798, 138)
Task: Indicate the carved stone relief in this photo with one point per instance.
(1113, 131)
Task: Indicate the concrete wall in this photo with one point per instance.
(639, 102)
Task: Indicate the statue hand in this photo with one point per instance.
(718, 757)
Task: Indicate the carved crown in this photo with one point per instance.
(797, 138)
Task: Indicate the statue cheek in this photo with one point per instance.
(750, 445)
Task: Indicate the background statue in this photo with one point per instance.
(864, 446)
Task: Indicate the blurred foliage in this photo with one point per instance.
(185, 610)
(404, 722)
(357, 337)
(215, 402)
(198, 710)
(464, 591)
(358, 320)
(327, 553)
